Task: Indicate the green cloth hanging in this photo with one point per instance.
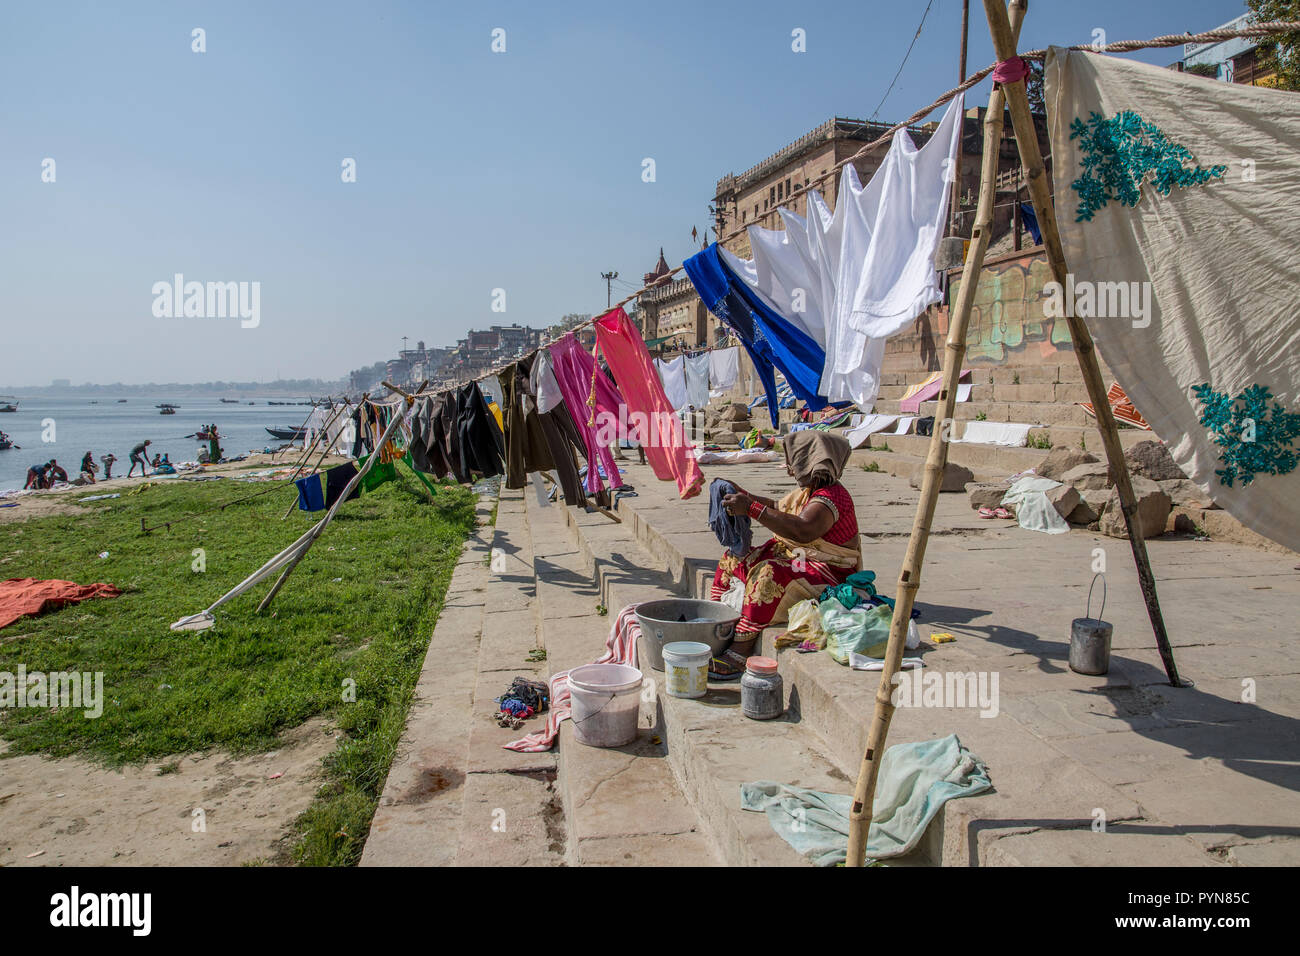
(376, 476)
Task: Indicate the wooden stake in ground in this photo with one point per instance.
(909, 578)
(1031, 158)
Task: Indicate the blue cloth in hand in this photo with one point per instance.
(733, 531)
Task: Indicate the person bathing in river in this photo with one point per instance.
(108, 460)
(56, 473)
(815, 543)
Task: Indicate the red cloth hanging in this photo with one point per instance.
(664, 437)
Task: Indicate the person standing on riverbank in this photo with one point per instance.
(139, 457)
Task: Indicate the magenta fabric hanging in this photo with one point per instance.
(573, 370)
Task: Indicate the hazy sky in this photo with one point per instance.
(475, 170)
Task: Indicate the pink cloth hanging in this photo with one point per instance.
(573, 367)
(665, 444)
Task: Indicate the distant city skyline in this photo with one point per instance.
(239, 191)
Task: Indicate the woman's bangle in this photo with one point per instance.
(756, 509)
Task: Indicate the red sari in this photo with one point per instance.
(781, 573)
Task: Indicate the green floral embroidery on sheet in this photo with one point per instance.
(1124, 152)
(1254, 435)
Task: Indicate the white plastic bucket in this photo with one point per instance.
(604, 704)
(686, 668)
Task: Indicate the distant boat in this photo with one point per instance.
(8, 403)
(121, 401)
(287, 434)
(230, 401)
(166, 405)
(252, 403)
(167, 410)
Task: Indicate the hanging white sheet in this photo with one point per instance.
(724, 368)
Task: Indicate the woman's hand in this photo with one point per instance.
(737, 504)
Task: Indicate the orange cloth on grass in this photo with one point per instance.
(22, 596)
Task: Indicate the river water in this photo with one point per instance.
(76, 425)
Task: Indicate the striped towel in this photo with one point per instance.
(1120, 406)
(620, 648)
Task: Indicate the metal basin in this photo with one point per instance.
(684, 619)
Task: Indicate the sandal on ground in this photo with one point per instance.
(1002, 513)
(727, 666)
(986, 512)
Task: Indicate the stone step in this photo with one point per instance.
(419, 818)
(511, 815)
(711, 748)
(623, 806)
(1045, 413)
(1065, 372)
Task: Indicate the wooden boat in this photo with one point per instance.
(229, 401)
(8, 403)
(5, 442)
(166, 409)
(287, 434)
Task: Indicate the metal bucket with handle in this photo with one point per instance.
(1090, 637)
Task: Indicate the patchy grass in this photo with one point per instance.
(358, 611)
(1043, 442)
(872, 466)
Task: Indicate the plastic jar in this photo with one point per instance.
(762, 694)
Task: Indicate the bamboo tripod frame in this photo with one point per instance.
(1005, 30)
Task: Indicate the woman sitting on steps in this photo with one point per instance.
(815, 543)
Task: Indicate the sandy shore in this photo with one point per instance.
(60, 501)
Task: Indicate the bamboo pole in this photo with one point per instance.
(909, 578)
(1004, 44)
(319, 529)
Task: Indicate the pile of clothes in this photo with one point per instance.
(850, 621)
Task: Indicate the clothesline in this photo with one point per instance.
(1268, 28)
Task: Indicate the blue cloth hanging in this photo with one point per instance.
(1030, 219)
(771, 341)
(311, 496)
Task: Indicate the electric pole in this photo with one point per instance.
(609, 278)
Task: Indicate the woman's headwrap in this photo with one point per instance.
(811, 453)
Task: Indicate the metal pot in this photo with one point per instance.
(1090, 637)
(684, 619)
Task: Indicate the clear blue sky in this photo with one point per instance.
(475, 171)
